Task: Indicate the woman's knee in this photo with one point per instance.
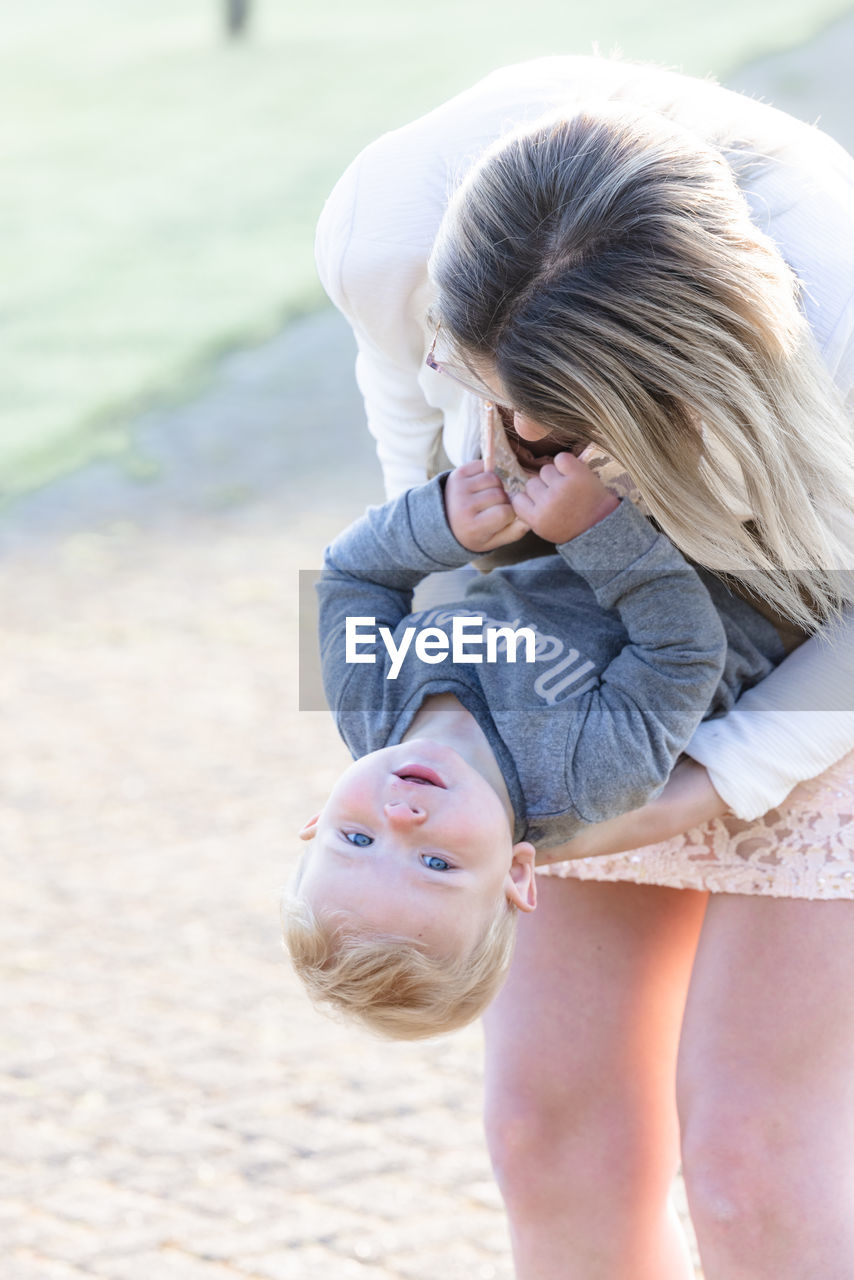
(746, 1163)
(579, 1068)
(577, 1146)
(763, 1087)
(527, 1138)
(725, 1156)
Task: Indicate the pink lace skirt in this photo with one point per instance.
(804, 850)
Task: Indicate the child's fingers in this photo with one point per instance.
(473, 468)
(495, 528)
(523, 505)
(567, 463)
(488, 480)
(472, 479)
(563, 467)
(495, 517)
(511, 532)
(537, 487)
(486, 499)
(547, 475)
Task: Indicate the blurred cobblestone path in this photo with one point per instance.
(170, 1106)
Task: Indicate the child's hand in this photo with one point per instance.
(478, 509)
(564, 499)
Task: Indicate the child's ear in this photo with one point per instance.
(521, 884)
(308, 830)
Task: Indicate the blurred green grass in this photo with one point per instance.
(162, 184)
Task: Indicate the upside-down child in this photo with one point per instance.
(597, 664)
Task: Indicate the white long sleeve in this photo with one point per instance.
(792, 726)
(374, 284)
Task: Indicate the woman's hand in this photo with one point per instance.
(564, 499)
(478, 509)
(688, 800)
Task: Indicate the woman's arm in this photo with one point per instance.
(688, 800)
(794, 725)
(371, 254)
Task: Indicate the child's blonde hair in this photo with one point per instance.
(606, 266)
(389, 983)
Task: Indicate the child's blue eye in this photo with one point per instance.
(358, 837)
(435, 863)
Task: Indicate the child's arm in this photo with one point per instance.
(624, 735)
(372, 568)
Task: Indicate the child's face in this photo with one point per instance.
(415, 841)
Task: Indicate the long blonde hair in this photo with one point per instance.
(605, 266)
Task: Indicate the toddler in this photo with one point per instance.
(557, 694)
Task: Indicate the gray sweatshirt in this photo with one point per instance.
(622, 649)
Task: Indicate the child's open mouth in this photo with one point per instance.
(421, 774)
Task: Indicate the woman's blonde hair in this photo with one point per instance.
(389, 983)
(605, 266)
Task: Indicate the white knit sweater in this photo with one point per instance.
(373, 241)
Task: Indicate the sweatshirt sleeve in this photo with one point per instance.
(370, 572)
(629, 729)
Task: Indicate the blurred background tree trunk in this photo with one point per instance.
(236, 17)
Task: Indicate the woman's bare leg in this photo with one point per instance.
(581, 1052)
(766, 1090)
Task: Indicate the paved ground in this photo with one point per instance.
(171, 1107)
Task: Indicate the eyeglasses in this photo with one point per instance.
(482, 392)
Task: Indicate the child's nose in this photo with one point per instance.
(403, 815)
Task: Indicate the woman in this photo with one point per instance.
(625, 272)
